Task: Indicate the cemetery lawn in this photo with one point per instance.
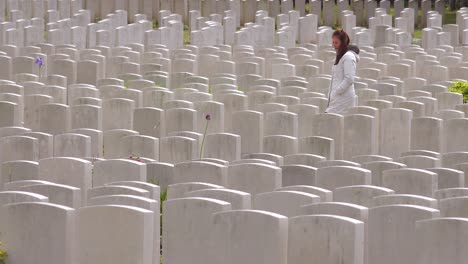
(450, 16)
(417, 34)
(186, 35)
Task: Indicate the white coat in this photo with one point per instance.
(341, 95)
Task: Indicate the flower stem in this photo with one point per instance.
(203, 141)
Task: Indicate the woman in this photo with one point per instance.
(341, 95)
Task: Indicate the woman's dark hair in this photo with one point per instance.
(344, 39)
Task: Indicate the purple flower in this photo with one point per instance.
(208, 117)
(39, 61)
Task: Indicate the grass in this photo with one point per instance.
(186, 35)
(450, 16)
(417, 34)
(3, 255)
(461, 88)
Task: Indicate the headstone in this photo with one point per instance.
(452, 137)
(355, 127)
(50, 220)
(72, 145)
(302, 246)
(235, 228)
(287, 203)
(19, 148)
(187, 228)
(395, 139)
(94, 236)
(330, 126)
(118, 113)
(317, 145)
(411, 181)
(176, 149)
(267, 178)
(109, 171)
(433, 231)
(333, 177)
(140, 146)
(200, 171)
(249, 126)
(410, 199)
(58, 194)
(117, 190)
(361, 195)
(398, 220)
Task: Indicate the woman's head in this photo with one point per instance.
(340, 41)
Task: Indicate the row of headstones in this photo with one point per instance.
(262, 91)
(301, 62)
(24, 68)
(444, 105)
(111, 31)
(376, 170)
(158, 128)
(245, 10)
(114, 30)
(449, 34)
(222, 84)
(461, 21)
(428, 170)
(382, 33)
(146, 93)
(108, 32)
(90, 66)
(133, 62)
(57, 169)
(454, 103)
(248, 70)
(276, 132)
(416, 63)
(273, 201)
(360, 236)
(11, 112)
(292, 28)
(375, 240)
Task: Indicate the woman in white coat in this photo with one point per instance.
(341, 95)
